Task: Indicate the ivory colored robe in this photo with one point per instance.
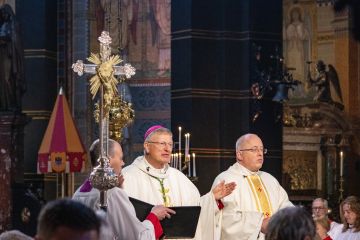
(140, 183)
(240, 219)
(348, 235)
(120, 214)
(335, 229)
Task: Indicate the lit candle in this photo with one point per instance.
(186, 144)
(194, 165)
(341, 163)
(179, 139)
(179, 162)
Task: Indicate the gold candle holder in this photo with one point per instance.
(341, 189)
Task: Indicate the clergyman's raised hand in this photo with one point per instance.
(222, 190)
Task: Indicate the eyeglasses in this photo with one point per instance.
(164, 144)
(255, 150)
(317, 208)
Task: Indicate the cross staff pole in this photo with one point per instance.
(104, 81)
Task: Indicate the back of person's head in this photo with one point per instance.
(293, 223)
(95, 151)
(67, 219)
(14, 235)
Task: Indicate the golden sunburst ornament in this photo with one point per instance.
(104, 76)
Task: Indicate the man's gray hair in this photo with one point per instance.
(324, 201)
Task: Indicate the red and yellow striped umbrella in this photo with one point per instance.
(61, 149)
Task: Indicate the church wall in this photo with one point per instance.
(149, 89)
(211, 72)
(39, 37)
(331, 41)
(37, 21)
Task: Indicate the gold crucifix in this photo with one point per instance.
(105, 69)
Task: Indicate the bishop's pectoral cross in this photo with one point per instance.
(105, 69)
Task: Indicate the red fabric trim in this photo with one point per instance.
(157, 226)
(327, 238)
(43, 159)
(220, 204)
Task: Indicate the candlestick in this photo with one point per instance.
(179, 162)
(186, 144)
(341, 163)
(179, 139)
(189, 164)
(194, 165)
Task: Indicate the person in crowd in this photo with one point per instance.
(320, 210)
(293, 223)
(350, 216)
(65, 219)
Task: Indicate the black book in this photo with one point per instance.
(181, 225)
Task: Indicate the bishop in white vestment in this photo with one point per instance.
(257, 196)
(149, 178)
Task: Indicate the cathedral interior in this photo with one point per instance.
(287, 70)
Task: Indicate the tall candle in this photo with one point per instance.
(179, 162)
(186, 144)
(194, 165)
(189, 145)
(189, 165)
(179, 139)
(341, 163)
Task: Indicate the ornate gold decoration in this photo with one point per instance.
(301, 166)
(104, 76)
(103, 177)
(121, 114)
(105, 69)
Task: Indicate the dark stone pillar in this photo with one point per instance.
(38, 20)
(211, 79)
(11, 162)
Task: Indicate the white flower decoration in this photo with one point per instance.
(105, 38)
(129, 70)
(78, 67)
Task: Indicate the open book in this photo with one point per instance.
(181, 225)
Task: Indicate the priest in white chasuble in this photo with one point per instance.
(150, 179)
(257, 197)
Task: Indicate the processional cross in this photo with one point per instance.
(105, 69)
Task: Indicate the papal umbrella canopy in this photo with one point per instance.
(61, 149)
